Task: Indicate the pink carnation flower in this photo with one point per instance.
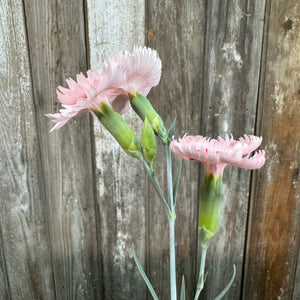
(124, 73)
(217, 154)
(143, 69)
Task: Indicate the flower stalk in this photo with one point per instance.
(172, 259)
(170, 211)
(171, 223)
(202, 276)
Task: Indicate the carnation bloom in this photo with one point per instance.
(143, 69)
(124, 73)
(217, 154)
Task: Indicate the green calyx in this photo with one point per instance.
(148, 142)
(143, 108)
(119, 129)
(210, 207)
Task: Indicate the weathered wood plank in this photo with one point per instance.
(4, 285)
(176, 30)
(26, 267)
(115, 26)
(296, 286)
(274, 229)
(56, 234)
(230, 87)
(56, 33)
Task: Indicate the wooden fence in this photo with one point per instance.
(72, 203)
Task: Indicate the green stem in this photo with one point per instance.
(155, 184)
(172, 259)
(201, 278)
(169, 177)
(171, 224)
(170, 210)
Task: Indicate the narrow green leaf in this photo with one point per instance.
(149, 285)
(172, 130)
(176, 183)
(182, 292)
(222, 294)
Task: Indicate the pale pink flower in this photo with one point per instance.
(143, 69)
(217, 154)
(88, 92)
(124, 73)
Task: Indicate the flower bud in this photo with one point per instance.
(119, 129)
(148, 142)
(210, 207)
(143, 108)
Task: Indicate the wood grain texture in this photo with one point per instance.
(72, 202)
(176, 30)
(56, 34)
(274, 228)
(296, 286)
(25, 258)
(230, 88)
(113, 27)
(4, 284)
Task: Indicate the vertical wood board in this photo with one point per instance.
(296, 285)
(230, 88)
(113, 27)
(274, 233)
(57, 51)
(175, 29)
(72, 202)
(26, 267)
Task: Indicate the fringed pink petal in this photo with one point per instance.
(64, 98)
(71, 83)
(67, 113)
(250, 143)
(82, 80)
(142, 67)
(126, 72)
(197, 148)
(94, 77)
(112, 76)
(112, 80)
(254, 162)
(77, 89)
(216, 154)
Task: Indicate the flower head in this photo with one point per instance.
(124, 73)
(217, 154)
(143, 69)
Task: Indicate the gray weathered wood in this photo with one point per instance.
(230, 87)
(72, 202)
(296, 286)
(122, 206)
(275, 215)
(56, 33)
(176, 30)
(26, 266)
(4, 286)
